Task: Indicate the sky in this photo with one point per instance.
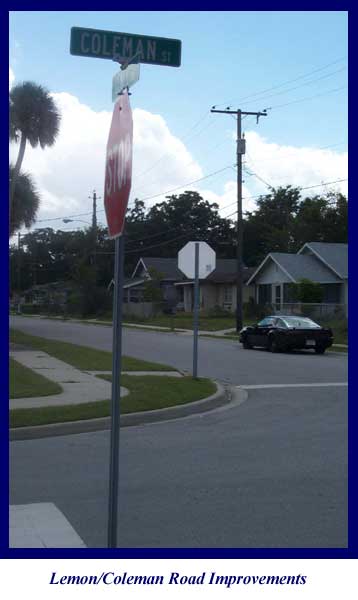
(292, 63)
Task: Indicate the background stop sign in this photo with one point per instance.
(118, 176)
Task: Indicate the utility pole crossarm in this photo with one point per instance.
(235, 112)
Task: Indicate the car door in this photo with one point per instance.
(259, 335)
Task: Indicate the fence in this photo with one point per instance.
(316, 311)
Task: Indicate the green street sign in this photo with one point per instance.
(97, 43)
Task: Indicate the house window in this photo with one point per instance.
(264, 293)
(278, 296)
(228, 294)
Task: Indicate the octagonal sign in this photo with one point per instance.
(207, 260)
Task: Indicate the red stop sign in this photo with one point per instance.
(118, 178)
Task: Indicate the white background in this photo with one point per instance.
(326, 579)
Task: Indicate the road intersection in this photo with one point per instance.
(267, 472)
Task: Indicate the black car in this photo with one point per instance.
(280, 332)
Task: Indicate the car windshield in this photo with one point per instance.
(267, 321)
(300, 323)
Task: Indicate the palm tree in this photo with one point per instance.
(34, 117)
(25, 203)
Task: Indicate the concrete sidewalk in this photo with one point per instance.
(41, 525)
(79, 387)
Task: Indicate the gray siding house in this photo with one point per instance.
(323, 263)
(218, 289)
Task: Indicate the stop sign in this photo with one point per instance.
(118, 176)
(207, 260)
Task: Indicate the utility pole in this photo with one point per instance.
(19, 270)
(240, 150)
(94, 226)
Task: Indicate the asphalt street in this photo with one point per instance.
(218, 359)
(271, 472)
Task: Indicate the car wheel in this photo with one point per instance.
(320, 350)
(246, 344)
(273, 345)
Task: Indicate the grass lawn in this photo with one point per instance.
(182, 321)
(340, 330)
(146, 393)
(82, 357)
(25, 383)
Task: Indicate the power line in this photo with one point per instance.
(185, 138)
(308, 97)
(186, 184)
(227, 217)
(250, 96)
(220, 208)
(295, 150)
(265, 97)
(165, 242)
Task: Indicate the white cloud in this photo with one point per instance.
(284, 165)
(11, 78)
(227, 200)
(68, 172)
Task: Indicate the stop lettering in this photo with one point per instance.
(118, 177)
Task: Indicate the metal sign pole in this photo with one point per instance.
(116, 392)
(196, 311)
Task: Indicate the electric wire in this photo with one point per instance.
(250, 96)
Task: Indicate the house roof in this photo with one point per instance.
(335, 256)
(167, 266)
(226, 271)
(299, 266)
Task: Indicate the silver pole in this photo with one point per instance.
(116, 387)
(196, 311)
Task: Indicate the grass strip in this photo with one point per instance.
(146, 393)
(83, 357)
(180, 321)
(25, 383)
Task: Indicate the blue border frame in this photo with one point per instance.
(188, 553)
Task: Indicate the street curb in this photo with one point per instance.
(222, 396)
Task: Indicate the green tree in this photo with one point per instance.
(34, 117)
(284, 222)
(167, 226)
(25, 204)
(270, 228)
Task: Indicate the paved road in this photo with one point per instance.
(271, 472)
(220, 359)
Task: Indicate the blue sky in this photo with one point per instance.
(228, 59)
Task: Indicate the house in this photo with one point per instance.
(56, 292)
(146, 268)
(217, 290)
(323, 263)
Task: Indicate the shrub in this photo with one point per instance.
(306, 291)
(217, 311)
